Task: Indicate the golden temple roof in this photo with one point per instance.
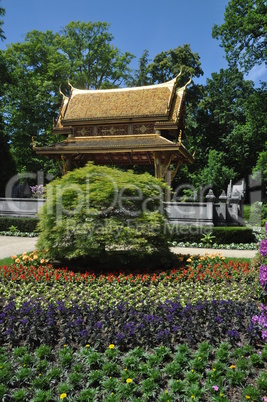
(148, 102)
(130, 143)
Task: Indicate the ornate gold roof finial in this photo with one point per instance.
(189, 82)
(72, 87)
(178, 75)
(61, 93)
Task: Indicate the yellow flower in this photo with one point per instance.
(192, 371)
(87, 346)
(65, 346)
(25, 257)
(192, 397)
(111, 346)
(214, 369)
(35, 257)
(14, 257)
(17, 260)
(247, 397)
(232, 366)
(40, 375)
(166, 391)
(24, 253)
(189, 260)
(63, 396)
(42, 260)
(221, 394)
(129, 380)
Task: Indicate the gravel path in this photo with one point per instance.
(12, 245)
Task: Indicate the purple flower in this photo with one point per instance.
(255, 319)
(98, 325)
(233, 333)
(263, 248)
(215, 387)
(78, 322)
(119, 337)
(266, 227)
(84, 333)
(263, 276)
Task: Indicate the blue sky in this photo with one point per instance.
(137, 25)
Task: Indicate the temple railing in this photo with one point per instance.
(227, 212)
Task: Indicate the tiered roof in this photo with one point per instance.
(125, 121)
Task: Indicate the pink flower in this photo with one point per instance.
(215, 387)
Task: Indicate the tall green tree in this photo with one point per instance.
(93, 61)
(230, 120)
(38, 66)
(7, 165)
(243, 34)
(141, 75)
(166, 65)
(260, 170)
(2, 13)
(32, 97)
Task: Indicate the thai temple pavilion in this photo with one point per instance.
(125, 126)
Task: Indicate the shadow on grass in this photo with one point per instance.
(128, 262)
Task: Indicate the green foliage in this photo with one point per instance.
(157, 382)
(2, 13)
(96, 209)
(37, 67)
(22, 224)
(207, 239)
(7, 164)
(260, 169)
(243, 33)
(222, 234)
(216, 173)
(92, 60)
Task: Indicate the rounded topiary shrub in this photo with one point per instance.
(95, 210)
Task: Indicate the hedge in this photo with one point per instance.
(22, 224)
(223, 234)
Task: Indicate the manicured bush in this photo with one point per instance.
(222, 234)
(22, 224)
(92, 211)
(227, 235)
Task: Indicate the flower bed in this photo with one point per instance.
(189, 333)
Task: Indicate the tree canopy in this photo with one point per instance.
(243, 34)
(2, 13)
(225, 118)
(82, 53)
(92, 60)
